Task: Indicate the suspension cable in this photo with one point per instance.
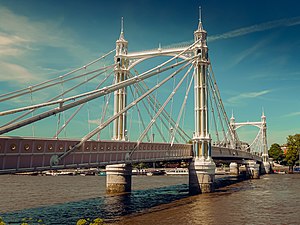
(79, 108)
(56, 97)
(148, 111)
(57, 78)
(218, 107)
(104, 111)
(31, 98)
(233, 136)
(96, 93)
(161, 109)
(58, 82)
(103, 125)
(155, 105)
(139, 113)
(171, 110)
(182, 107)
(214, 116)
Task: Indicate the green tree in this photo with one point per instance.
(293, 148)
(276, 152)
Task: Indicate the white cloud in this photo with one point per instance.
(10, 71)
(292, 114)
(286, 22)
(247, 95)
(24, 41)
(257, 28)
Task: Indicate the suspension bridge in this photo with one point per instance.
(129, 107)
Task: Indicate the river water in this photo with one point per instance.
(273, 199)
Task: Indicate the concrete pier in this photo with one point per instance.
(253, 169)
(265, 168)
(234, 169)
(201, 176)
(118, 178)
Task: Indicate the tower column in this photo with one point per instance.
(118, 178)
(266, 166)
(202, 167)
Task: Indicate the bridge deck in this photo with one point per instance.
(32, 154)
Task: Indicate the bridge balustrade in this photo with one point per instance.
(32, 154)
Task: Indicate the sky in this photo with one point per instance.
(254, 46)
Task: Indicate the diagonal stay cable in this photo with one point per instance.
(159, 112)
(78, 109)
(97, 93)
(182, 108)
(102, 126)
(139, 112)
(57, 96)
(88, 96)
(57, 78)
(213, 113)
(58, 82)
(152, 101)
(136, 86)
(232, 136)
(155, 104)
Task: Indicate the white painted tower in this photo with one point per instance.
(202, 168)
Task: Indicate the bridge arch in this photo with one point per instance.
(137, 58)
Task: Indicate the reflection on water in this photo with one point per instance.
(273, 199)
(110, 207)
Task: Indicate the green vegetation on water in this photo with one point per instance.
(28, 221)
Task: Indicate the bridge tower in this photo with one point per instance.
(202, 168)
(265, 155)
(118, 179)
(121, 72)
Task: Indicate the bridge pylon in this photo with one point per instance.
(265, 155)
(118, 179)
(202, 167)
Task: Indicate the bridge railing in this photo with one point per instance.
(28, 154)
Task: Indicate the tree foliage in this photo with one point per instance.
(293, 148)
(276, 152)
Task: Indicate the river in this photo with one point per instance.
(273, 199)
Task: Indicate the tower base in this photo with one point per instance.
(118, 178)
(265, 168)
(253, 169)
(201, 176)
(234, 169)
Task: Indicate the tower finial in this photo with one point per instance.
(232, 116)
(122, 29)
(200, 27)
(122, 25)
(200, 15)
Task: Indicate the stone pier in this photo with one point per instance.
(118, 178)
(234, 169)
(265, 168)
(201, 176)
(253, 169)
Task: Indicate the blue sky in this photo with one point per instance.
(254, 46)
